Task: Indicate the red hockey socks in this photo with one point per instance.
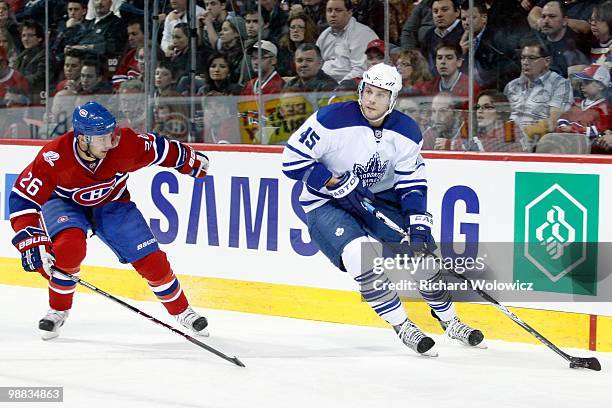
(69, 247)
(155, 268)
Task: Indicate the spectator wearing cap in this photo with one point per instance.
(232, 37)
(447, 28)
(177, 15)
(375, 54)
(271, 82)
(302, 30)
(10, 79)
(539, 96)
(310, 77)
(344, 42)
(31, 61)
(449, 60)
(589, 116)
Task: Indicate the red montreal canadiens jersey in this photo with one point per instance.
(57, 169)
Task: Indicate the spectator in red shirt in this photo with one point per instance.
(449, 59)
(10, 79)
(128, 66)
(73, 61)
(271, 82)
(591, 115)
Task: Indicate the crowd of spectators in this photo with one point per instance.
(540, 66)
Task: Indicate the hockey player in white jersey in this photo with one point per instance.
(350, 152)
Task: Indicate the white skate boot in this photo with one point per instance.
(455, 329)
(193, 321)
(50, 325)
(414, 338)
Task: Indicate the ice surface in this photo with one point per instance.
(108, 356)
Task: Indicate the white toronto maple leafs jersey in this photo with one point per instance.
(340, 138)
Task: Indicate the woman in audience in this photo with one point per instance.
(414, 70)
(218, 78)
(301, 30)
(496, 133)
(601, 27)
(233, 36)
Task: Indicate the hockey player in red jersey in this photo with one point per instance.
(78, 182)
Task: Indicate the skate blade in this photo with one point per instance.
(201, 333)
(48, 335)
(482, 345)
(431, 353)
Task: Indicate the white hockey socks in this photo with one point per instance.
(373, 286)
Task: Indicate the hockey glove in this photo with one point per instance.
(350, 193)
(419, 227)
(35, 247)
(192, 162)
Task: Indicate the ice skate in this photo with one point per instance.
(457, 330)
(193, 321)
(51, 324)
(414, 338)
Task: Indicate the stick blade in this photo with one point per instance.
(238, 362)
(590, 363)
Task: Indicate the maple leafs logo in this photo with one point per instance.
(372, 172)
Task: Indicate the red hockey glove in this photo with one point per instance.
(193, 162)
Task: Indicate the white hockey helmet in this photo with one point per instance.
(382, 76)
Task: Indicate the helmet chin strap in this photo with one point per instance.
(87, 152)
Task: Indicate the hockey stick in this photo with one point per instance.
(75, 279)
(574, 362)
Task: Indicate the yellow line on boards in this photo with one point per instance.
(562, 328)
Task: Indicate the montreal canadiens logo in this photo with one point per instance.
(62, 218)
(83, 113)
(94, 195)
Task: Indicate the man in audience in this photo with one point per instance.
(344, 42)
(72, 72)
(310, 77)
(210, 21)
(449, 60)
(69, 31)
(271, 82)
(105, 35)
(494, 64)
(447, 28)
(447, 131)
(539, 96)
(128, 66)
(92, 81)
(566, 47)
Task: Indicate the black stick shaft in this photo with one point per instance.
(134, 309)
(389, 223)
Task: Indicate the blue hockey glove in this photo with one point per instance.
(350, 193)
(35, 247)
(419, 227)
